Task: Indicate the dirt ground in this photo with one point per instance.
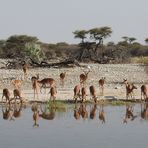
(113, 89)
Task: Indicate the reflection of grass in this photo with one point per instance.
(57, 105)
(118, 103)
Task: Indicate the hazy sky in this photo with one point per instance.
(54, 20)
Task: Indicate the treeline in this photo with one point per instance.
(90, 49)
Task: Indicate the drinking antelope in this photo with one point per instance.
(93, 93)
(84, 93)
(144, 92)
(6, 94)
(53, 92)
(76, 92)
(17, 95)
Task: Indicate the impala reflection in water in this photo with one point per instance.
(88, 125)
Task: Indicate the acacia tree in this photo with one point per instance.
(80, 34)
(99, 34)
(96, 34)
(146, 40)
(129, 40)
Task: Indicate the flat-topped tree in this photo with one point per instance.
(81, 34)
(131, 40)
(99, 34)
(146, 40)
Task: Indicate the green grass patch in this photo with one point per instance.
(57, 105)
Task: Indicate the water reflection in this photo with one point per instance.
(12, 111)
(144, 111)
(48, 111)
(76, 112)
(80, 111)
(35, 110)
(129, 114)
(102, 114)
(93, 111)
(45, 111)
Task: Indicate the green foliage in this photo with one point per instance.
(100, 33)
(80, 34)
(57, 105)
(146, 40)
(14, 45)
(34, 51)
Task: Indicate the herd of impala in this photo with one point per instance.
(79, 90)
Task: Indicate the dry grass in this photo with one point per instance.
(141, 60)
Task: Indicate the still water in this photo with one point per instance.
(119, 126)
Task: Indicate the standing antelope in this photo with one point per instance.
(17, 83)
(93, 93)
(35, 87)
(101, 85)
(76, 92)
(46, 81)
(25, 69)
(62, 78)
(83, 77)
(6, 94)
(35, 77)
(53, 92)
(129, 89)
(144, 92)
(17, 95)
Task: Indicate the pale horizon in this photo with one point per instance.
(53, 21)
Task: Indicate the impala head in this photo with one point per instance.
(125, 81)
